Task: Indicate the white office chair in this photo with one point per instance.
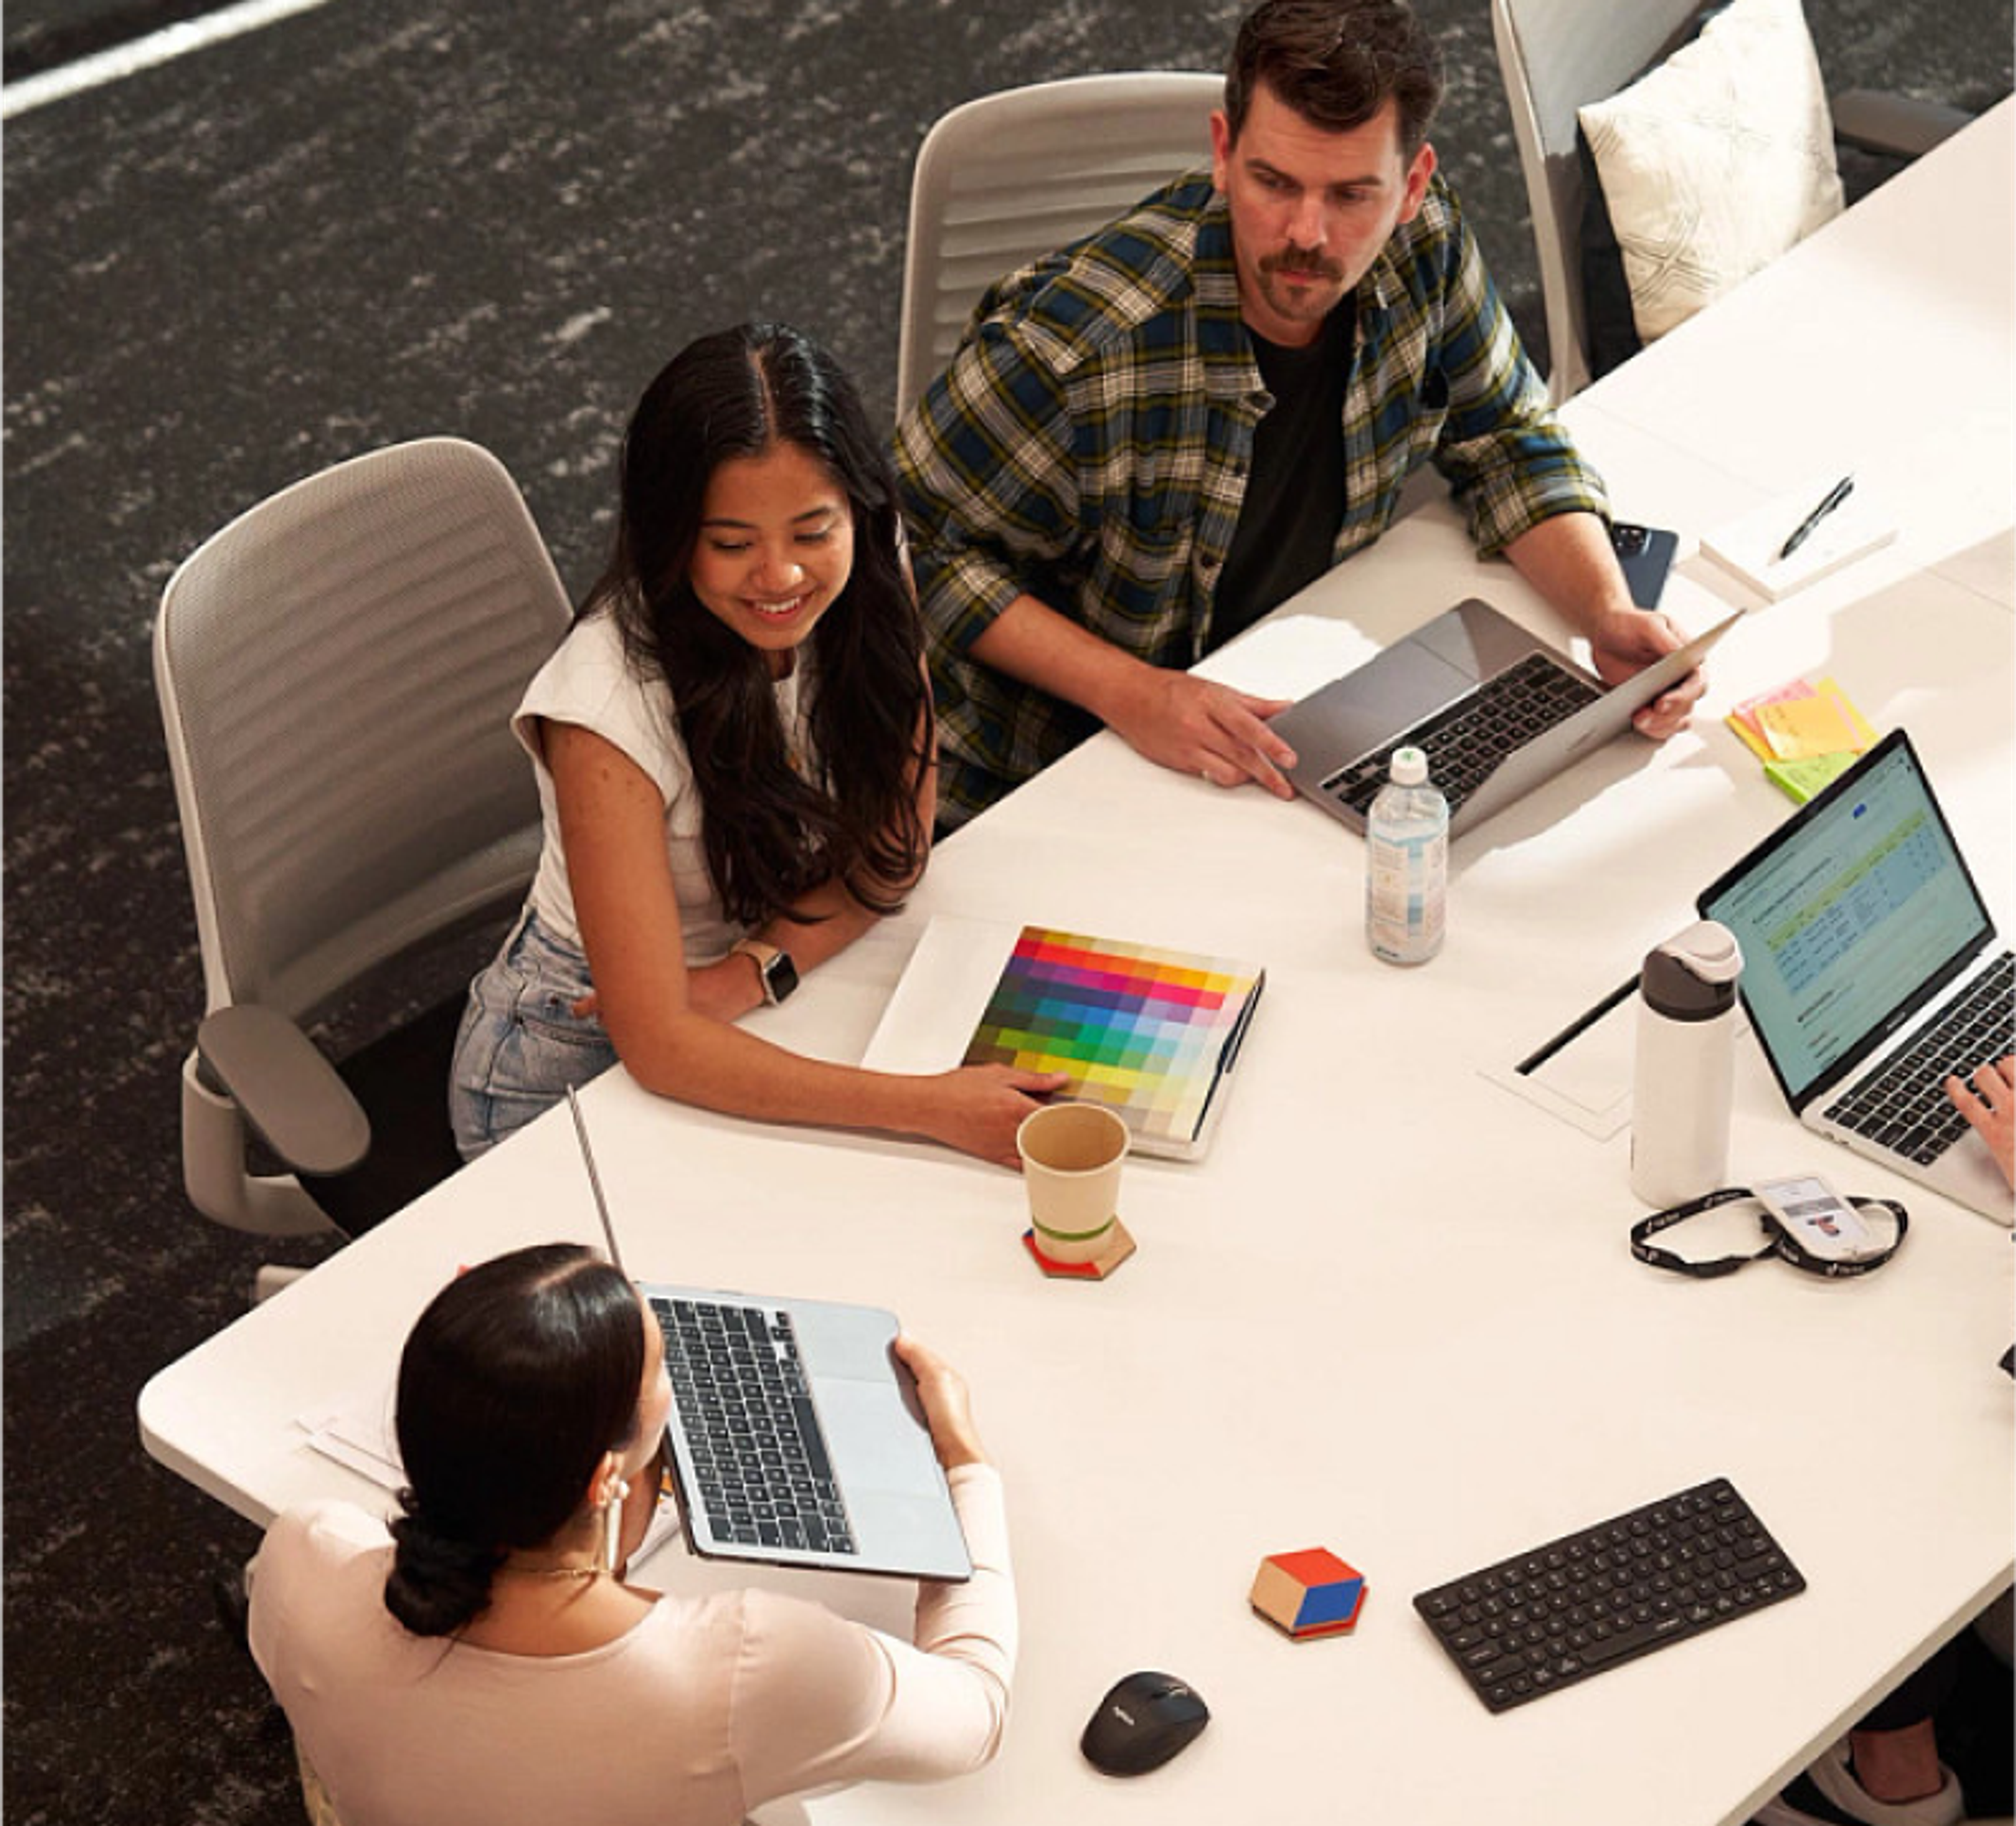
(1558, 56)
(1009, 176)
(336, 670)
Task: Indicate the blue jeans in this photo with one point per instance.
(521, 1044)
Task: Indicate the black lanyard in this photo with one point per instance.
(1779, 1241)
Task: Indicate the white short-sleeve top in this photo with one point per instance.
(591, 682)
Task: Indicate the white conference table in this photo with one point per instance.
(1393, 1313)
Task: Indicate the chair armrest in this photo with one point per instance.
(1875, 121)
(289, 1094)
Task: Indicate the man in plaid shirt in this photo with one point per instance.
(1152, 437)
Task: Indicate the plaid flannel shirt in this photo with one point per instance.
(1090, 441)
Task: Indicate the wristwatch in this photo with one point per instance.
(774, 968)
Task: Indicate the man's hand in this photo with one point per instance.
(1627, 641)
(1212, 731)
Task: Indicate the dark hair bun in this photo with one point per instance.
(437, 1583)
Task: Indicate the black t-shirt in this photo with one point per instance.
(1295, 490)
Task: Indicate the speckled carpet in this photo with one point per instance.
(373, 220)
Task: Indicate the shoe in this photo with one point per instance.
(1828, 1795)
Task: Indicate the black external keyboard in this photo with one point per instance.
(757, 1458)
(1606, 1595)
(1466, 743)
(1904, 1106)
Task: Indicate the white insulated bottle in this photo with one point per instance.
(1685, 1074)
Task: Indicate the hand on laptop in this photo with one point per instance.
(1627, 641)
(1989, 1105)
(948, 1408)
(1209, 730)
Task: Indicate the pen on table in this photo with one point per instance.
(1835, 495)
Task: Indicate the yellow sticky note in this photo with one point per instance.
(1801, 727)
(1742, 719)
(1865, 737)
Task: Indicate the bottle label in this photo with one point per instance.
(1406, 891)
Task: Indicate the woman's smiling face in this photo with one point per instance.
(776, 548)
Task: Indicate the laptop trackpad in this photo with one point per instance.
(1365, 709)
(873, 1438)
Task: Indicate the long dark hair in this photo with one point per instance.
(515, 1380)
(771, 835)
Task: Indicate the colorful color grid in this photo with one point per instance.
(1142, 1030)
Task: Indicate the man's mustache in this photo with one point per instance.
(1301, 265)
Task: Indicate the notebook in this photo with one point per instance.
(1497, 710)
(1870, 970)
(796, 1438)
(1152, 1033)
(1749, 548)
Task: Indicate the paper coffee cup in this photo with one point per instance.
(1071, 1155)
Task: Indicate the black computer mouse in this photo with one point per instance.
(1143, 1722)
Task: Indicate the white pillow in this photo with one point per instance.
(1716, 162)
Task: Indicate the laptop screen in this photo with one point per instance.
(1847, 914)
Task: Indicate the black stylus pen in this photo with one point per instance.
(1835, 495)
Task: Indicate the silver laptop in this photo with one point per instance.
(1870, 972)
(1497, 711)
(797, 1438)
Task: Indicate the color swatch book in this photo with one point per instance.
(1152, 1033)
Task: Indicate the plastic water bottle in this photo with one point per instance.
(1406, 863)
(1686, 1070)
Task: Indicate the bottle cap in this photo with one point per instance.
(1692, 977)
(1410, 767)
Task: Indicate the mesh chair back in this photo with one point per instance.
(1007, 178)
(337, 669)
(1555, 56)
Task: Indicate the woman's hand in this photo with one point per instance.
(947, 1409)
(977, 1108)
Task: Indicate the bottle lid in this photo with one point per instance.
(1692, 977)
(1410, 767)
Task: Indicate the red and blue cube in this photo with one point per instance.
(1312, 1593)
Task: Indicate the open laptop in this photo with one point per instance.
(797, 1437)
(1497, 711)
(1870, 972)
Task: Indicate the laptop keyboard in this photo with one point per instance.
(757, 1458)
(1466, 742)
(1595, 1599)
(1904, 1106)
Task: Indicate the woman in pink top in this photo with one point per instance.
(485, 1660)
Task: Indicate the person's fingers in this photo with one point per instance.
(1244, 720)
(1239, 746)
(1668, 713)
(1964, 1099)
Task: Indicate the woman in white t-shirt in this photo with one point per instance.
(736, 767)
(484, 1661)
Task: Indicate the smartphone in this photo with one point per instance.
(1646, 554)
(1819, 1218)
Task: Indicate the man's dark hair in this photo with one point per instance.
(1337, 63)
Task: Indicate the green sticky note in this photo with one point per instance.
(1800, 779)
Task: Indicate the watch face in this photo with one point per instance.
(780, 976)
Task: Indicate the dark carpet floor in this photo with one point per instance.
(377, 220)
